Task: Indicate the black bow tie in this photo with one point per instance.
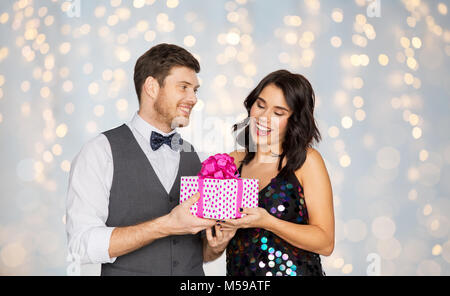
(174, 141)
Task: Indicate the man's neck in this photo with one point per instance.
(153, 120)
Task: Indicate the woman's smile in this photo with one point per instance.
(262, 130)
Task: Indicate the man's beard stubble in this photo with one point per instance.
(164, 114)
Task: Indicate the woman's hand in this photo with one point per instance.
(254, 218)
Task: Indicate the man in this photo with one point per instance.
(123, 200)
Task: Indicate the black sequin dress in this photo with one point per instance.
(258, 252)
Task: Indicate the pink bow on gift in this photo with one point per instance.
(219, 166)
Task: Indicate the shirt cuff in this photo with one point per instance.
(98, 245)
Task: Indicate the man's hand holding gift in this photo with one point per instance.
(181, 221)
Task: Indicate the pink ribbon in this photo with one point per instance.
(239, 197)
(200, 200)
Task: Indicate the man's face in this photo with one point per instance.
(177, 97)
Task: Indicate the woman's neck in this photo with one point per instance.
(268, 154)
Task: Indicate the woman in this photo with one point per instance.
(294, 222)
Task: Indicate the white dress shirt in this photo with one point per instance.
(90, 182)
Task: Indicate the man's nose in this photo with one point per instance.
(192, 97)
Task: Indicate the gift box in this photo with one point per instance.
(221, 190)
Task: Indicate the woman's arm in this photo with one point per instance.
(318, 235)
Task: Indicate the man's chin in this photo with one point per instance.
(180, 121)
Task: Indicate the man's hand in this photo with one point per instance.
(219, 242)
(181, 221)
(214, 246)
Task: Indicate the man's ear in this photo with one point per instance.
(151, 87)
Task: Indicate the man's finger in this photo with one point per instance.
(219, 233)
(209, 234)
(192, 200)
(204, 222)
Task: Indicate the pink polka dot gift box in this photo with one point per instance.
(222, 192)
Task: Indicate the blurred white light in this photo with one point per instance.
(383, 227)
(388, 158)
(13, 254)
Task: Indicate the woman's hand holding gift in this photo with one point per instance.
(254, 218)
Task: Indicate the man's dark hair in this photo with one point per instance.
(158, 61)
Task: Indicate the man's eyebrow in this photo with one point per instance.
(188, 83)
(278, 107)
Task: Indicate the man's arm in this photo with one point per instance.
(179, 221)
(128, 239)
(90, 180)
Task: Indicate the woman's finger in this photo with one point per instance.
(231, 224)
(249, 211)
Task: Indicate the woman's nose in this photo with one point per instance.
(263, 119)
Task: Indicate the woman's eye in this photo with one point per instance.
(259, 106)
(279, 114)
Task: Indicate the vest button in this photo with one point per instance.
(175, 263)
(175, 241)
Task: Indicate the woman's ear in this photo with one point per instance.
(151, 87)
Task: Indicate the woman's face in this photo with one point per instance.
(269, 116)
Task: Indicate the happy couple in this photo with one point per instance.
(123, 207)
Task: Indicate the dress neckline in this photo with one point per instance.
(271, 180)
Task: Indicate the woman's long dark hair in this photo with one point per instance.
(301, 130)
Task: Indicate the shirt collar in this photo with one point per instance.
(144, 128)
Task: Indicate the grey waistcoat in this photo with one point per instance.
(136, 196)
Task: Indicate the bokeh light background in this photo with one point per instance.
(382, 85)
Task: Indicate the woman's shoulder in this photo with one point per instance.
(313, 156)
(238, 156)
(313, 162)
